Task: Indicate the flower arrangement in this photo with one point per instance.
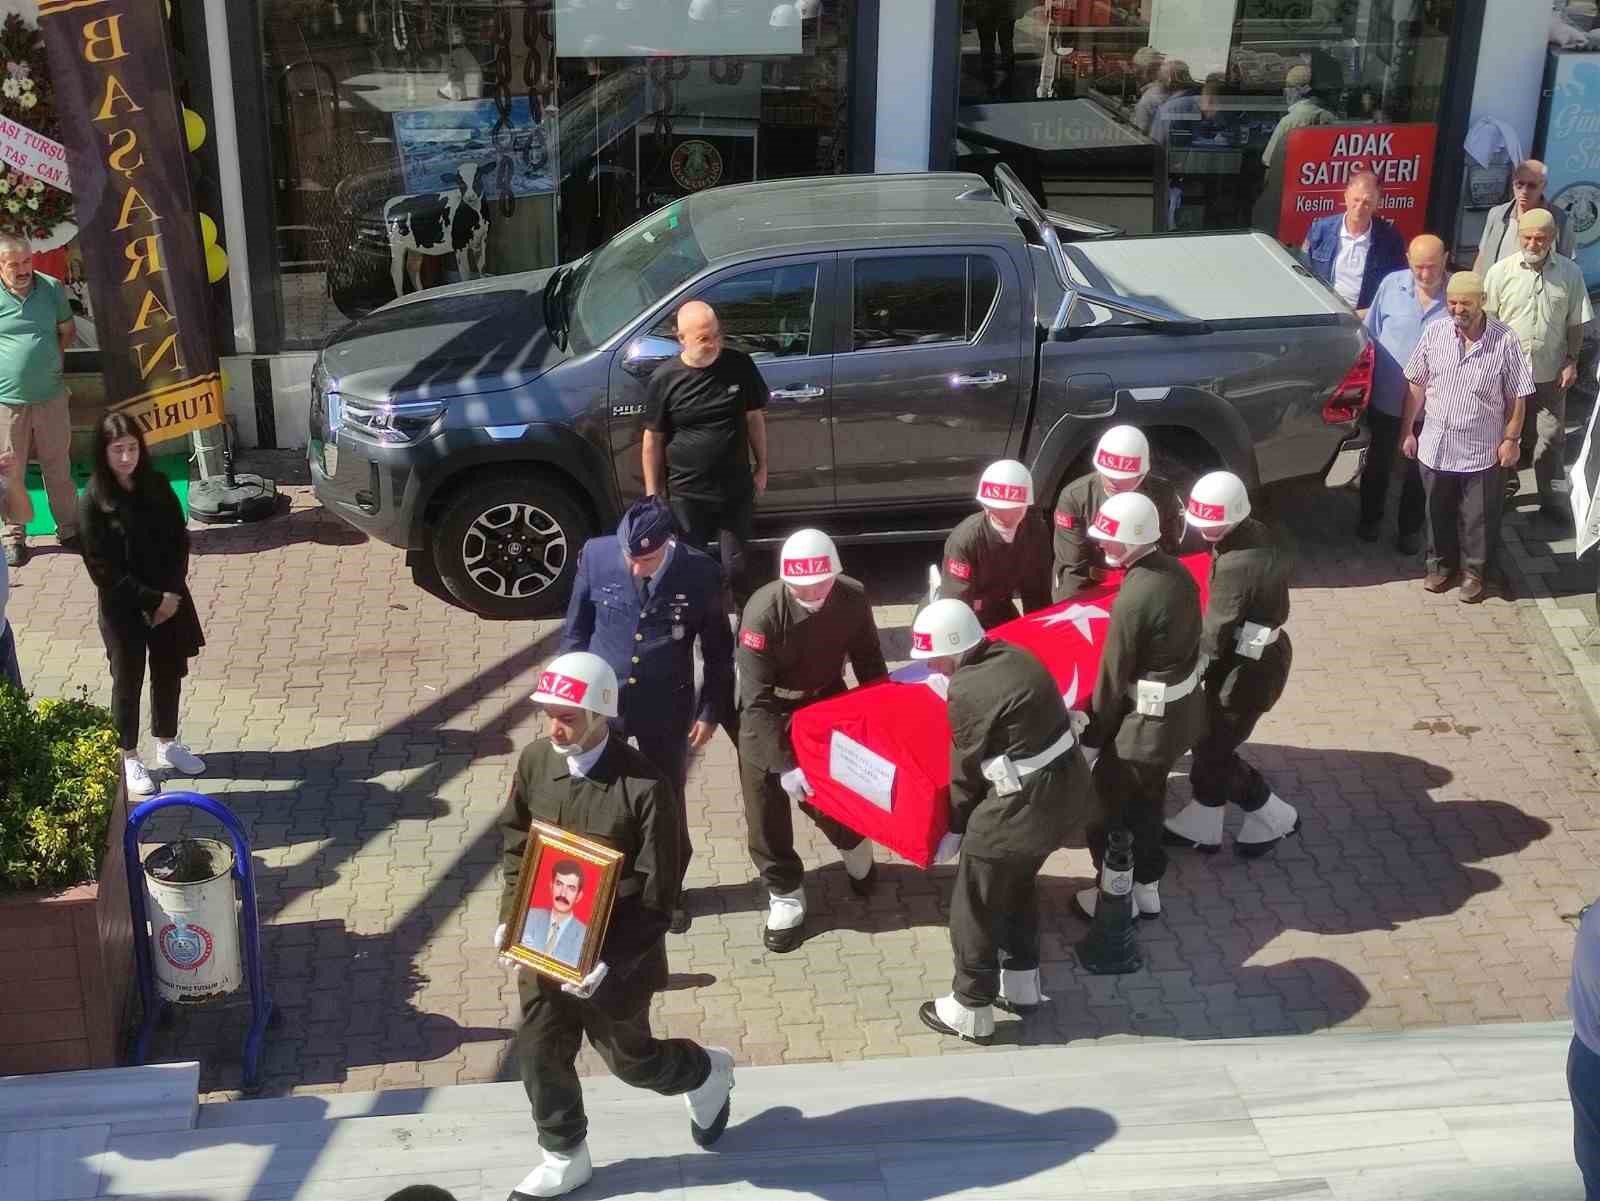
(28, 207)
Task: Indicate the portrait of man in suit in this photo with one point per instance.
(556, 931)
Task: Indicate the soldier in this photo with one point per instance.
(640, 601)
(1001, 552)
(588, 782)
(793, 641)
(1147, 710)
(1121, 464)
(1247, 655)
(1017, 785)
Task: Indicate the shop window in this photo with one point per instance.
(767, 314)
(417, 142)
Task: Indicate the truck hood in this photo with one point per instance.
(464, 339)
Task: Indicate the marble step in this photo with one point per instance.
(129, 1100)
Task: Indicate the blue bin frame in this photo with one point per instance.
(249, 921)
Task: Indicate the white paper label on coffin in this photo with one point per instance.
(865, 773)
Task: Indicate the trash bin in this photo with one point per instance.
(193, 920)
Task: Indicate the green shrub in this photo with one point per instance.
(59, 768)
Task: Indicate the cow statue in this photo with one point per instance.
(448, 222)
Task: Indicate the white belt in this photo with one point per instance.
(1253, 638)
(1006, 773)
(1151, 697)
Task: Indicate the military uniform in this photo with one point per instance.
(1249, 584)
(649, 643)
(1154, 635)
(1080, 561)
(624, 802)
(788, 657)
(1002, 701)
(984, 570)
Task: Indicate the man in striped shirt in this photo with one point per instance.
(1470, 379)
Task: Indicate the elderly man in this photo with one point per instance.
(1405, 303)
(1305, 110)
(1353, 251)
(1501, 237)
(1541, 295)
(704, 417)
(1472, 379)
(35, 327)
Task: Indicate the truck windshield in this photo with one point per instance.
(630, 273)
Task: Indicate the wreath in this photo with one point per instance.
(29, 207)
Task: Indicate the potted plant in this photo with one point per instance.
(66, 937)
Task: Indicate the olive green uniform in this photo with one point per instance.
(1080, 561)
(986, 571)
(787, 658)
(1249, 582)
(1002, 701)
(625, 803)
(1154, 635)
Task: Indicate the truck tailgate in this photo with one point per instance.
(1212, 277)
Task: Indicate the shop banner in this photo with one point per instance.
(1571, 150)
(140, 238)
(1319, 160)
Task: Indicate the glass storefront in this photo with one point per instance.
(1181, 114)
(421, 142)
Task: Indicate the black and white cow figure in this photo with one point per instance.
(448, 222)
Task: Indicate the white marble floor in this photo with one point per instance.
(1456, 1114)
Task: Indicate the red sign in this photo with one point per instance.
(1205, 512)
(1319, 160)
(958, 569)
(921, 642)
(1107, 525)
(1013, 493)
(1111, 462)
(1065, 521)
(812, 565)
(753, 639)
(562, 687)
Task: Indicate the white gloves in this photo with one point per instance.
(948, 849)
(1080, 721)
(796, 785)
(499, 936)
(1090, 754)
(584, 990)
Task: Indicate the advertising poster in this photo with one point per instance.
(436, 142)
(1572, 152)
(1319, 160)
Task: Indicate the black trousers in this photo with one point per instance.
(1464, 520)
(127, 650)
(724, 524)
(667, 748)
(1133, 795)
(996, 21)
(1379, 470)
(1216, 772)
(769, 825)
(553, 1026)
(994, 924)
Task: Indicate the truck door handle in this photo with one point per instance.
(799, 392)
(987, 379)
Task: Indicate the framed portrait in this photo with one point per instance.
(564, 896)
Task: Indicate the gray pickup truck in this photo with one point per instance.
(911, 328)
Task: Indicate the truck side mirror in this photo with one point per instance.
(646, 353)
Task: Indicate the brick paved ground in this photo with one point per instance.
(364, 732)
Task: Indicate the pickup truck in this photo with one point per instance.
(911, 328)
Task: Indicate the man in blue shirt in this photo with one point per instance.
(1405, 302)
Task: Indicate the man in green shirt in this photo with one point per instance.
(35, 327)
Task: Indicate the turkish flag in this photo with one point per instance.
(878, 757)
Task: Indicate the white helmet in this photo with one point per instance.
(946, 627)
(1129, 518)
(1123, 453)
(581, 680)
(1005, 485)
(808, 557)
(1218, 499)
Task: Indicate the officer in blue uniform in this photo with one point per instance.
(641, 599)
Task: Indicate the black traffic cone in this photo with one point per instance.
(1111, 948)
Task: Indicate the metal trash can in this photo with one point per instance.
(193, 920)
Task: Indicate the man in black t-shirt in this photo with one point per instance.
(705, 413)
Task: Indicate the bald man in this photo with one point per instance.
(1541, 295)
(1406, 302)
(705, 419)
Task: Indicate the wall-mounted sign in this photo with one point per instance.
(1319, 161)
(1571, 150)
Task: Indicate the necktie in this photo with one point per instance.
(550, 939)
(644, 592)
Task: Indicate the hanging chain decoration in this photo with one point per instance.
(501, 136)
(425, 29)
(538, 38)
(664, 72)
(399, 26)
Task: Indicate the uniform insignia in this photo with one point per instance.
(1065, 521)
(753, 639)
(1115, 462)
(1204, 512)
(962, 571)
(644, 543)
(812, 565)
(921, 642)
(1107, 525)
(563, 688)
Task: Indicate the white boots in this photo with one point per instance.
(1196, 826)
(786, 915)
(949, 1016)
(710, 1103)
(1020, 992)
(1266, 827)
(1146, 900)
(560, 1173)
(858, 865)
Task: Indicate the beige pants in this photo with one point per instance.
(44, 431)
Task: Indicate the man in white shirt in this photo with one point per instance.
(1352, 251)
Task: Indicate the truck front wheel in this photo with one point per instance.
(507, 547)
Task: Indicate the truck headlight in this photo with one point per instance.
(391, 424)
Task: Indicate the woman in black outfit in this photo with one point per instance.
(136, 547)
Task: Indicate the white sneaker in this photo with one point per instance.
(559, 1173)
(174, 756)
(1266, 827)
(138, 778)
(709, 1104)
(1147, 899)
(1196, 826)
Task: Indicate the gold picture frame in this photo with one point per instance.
(565, 891)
